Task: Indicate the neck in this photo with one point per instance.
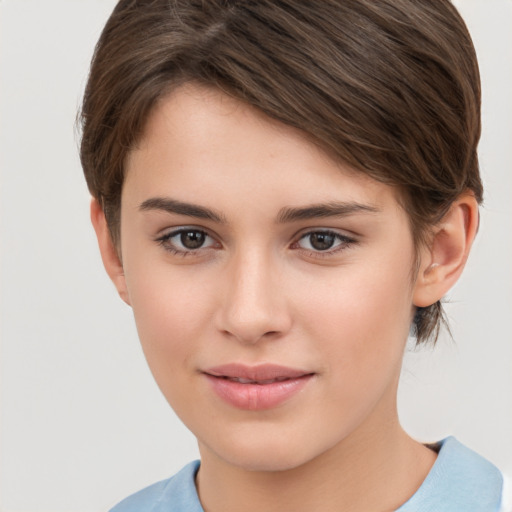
(371, 470)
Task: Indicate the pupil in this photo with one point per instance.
(322, 241)
(192, 239)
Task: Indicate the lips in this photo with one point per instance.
(256, 387)
(252, 381)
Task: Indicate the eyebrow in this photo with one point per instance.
(173, 206)
(332, 209)
(287, 214)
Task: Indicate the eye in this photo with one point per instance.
(186, 240)
(323, 241)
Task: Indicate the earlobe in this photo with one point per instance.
(109, 255)
(443, 261)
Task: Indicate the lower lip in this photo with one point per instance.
(256, 397)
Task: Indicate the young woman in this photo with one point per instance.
(283, 191)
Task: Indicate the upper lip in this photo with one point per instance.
(261, 372)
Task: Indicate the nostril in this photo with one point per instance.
(251, 334)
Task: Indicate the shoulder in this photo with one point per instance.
(459, 480)
(176, 494)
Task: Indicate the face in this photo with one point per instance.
(271, 286)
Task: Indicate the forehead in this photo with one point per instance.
(207, 146)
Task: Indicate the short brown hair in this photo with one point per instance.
(390, 87)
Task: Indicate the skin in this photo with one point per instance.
(258, 291)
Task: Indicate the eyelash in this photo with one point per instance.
(165, 241)
(343, 242)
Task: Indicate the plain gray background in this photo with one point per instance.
(82, 423)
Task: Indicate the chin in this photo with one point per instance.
(266, 462)
(278, 453)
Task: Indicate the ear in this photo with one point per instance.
(109, 254)
(443, 261)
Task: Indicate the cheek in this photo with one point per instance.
(171, 313)
(170, 324)
(362, 320)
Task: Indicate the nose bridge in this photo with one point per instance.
(253, 306)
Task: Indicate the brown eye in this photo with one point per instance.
(187, 241)
(192, 239)
(321, 241)
(324, 241)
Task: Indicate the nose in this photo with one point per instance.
(254, 306)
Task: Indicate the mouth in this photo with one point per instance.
(252, 381)
(256, 387)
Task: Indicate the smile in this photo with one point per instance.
(256, 387)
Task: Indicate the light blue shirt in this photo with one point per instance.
(460, 481)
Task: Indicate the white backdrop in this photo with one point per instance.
(82, 424)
